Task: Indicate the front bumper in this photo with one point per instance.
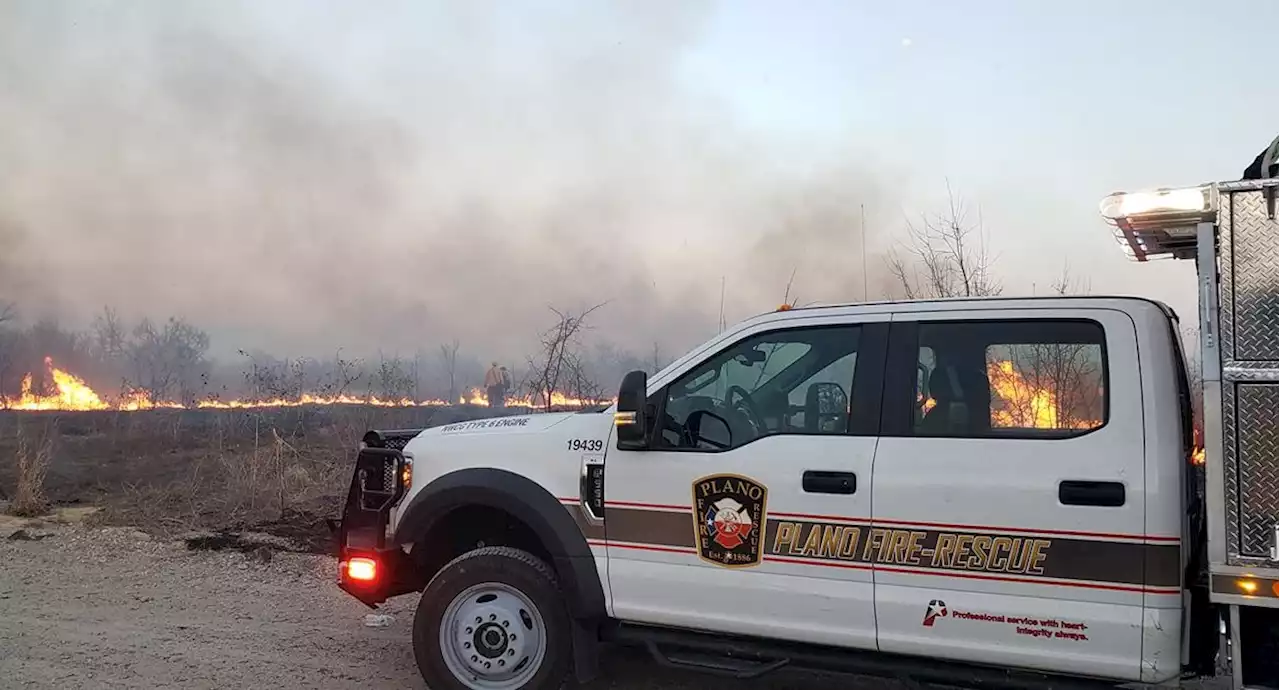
(378, 483)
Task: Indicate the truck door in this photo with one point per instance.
(1009, 494)
(746, 516)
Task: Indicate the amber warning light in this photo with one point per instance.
(362, 569)
(624, 418)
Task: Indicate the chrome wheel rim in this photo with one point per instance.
(492, 637)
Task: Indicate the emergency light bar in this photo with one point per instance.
(1160, 222)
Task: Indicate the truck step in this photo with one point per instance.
(713, 664)
(743, 658)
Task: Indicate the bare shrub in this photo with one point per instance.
(392, 380)
(1068, 283)
(32, 460)
(560, 357)
(946, 256)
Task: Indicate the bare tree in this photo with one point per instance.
(548, 371)
(947, 256)
(449, 357)
(394, 383)
(108, 335)
(1049, 385)
(343, 374)
(9, 342)
(579, 383)
(1069, 284)
(415, 370)
(168, 362)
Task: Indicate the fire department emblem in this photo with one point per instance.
(937, 609)
(729, 519)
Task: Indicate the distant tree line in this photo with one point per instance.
(169, 360)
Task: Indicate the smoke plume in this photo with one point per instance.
(300, 177)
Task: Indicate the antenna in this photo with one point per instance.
(862, 208)
(722, 303)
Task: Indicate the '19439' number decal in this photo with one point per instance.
(586, 444)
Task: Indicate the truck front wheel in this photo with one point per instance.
(493, 619)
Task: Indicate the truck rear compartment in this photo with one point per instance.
(1246, 339)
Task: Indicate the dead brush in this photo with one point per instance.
(32, 457)
(264, 482)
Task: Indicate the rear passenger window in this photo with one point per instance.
(1010, 379)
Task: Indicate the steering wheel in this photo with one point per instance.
(746, 404)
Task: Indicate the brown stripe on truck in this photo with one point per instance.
(976, 552)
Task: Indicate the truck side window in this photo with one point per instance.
(1011, 379)
(794, 381)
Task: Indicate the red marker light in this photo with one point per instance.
(365, 569)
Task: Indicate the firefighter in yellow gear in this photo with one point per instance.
(496, 382)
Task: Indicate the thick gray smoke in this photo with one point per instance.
(300, 177)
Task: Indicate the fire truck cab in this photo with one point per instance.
(1002, 492)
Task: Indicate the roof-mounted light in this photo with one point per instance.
(1162, 206)
(1162, 221)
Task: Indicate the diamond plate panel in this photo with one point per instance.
(1248, 304)
(1250, 372)
(1230, 473)
(1249, 287)
(1252, 416)
(1226, 275)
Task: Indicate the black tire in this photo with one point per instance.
(514, 568)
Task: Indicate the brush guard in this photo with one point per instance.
(377, 486)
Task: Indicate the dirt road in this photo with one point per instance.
(115, 608)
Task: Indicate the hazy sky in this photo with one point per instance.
(303, 175)
(1034, 110)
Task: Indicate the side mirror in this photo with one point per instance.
(633, 420)
(829, 398)
(826, 408)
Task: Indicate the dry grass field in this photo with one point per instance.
(274, 470)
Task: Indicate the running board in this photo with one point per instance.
(742, 658)
(713, 664)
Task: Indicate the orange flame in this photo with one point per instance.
(1197, 451)
(1024, 406)
(477, 397)
(71, 393)
(1018, 403)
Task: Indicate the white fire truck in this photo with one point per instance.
(997, 492)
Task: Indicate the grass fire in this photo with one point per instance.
(141, 421)
(68, 392)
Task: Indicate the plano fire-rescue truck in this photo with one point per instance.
(1004, 492)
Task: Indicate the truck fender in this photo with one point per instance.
(526, 501)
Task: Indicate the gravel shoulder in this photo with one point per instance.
(112, 607)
